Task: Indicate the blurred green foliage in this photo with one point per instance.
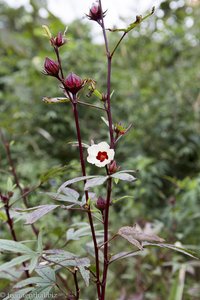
(155, 79)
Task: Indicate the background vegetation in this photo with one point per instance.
(155, 78)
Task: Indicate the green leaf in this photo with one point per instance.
(74, 180)
(85, 273)
(15, 261)
(3, 216)
(15, 247)
(122, 198)
(47, 274)
(185, 251)
(105, 121)
(95, 182)
(123, 176)
(27, 281)
(33, 263)
(56, 100)
(176, 292)
(76, 235)
(47, 31)
(65, 198)
(10, 184)
(38, 213)
(39, 242)
(136, 237)
(122, 255)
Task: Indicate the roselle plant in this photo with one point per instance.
(44, 270)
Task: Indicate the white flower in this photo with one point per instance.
(100, 154)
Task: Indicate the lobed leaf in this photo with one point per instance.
(135, 237)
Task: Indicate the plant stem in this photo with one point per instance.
(119, 42)
(106, 224)
(59, 61)
(112, 145)
(109, 67)
(76, 117)
(76, 285)
(13, 233)
(15, 176)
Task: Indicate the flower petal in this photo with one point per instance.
(103, 146)
(93, 150)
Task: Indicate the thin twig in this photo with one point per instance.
(91, 105)
(117, 45)
(76, 284)
(15, 175)
(13, 233)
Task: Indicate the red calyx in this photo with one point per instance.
(51, 67)
(73, 83)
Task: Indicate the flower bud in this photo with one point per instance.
(95, 12)
(4, 198)
(120, 129)
(112, 167)
(58, 41)
(51, 67)
(101, 203)
(73, 83)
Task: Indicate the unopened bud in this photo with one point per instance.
(4, 198)
(73, 83)
(51, 67)
(58, 41)
(101, 203)
(112, 167)
(95, 12)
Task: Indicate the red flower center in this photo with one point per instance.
(102, 156)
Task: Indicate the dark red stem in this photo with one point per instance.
(13, 233)
(106, 244)
(76, 285)
(112, 145)
(76, 117)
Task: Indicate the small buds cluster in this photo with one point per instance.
(120, 129)
(51, 67)
(95, 13)
(73, 83)
(58, 41)
(101, 203)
